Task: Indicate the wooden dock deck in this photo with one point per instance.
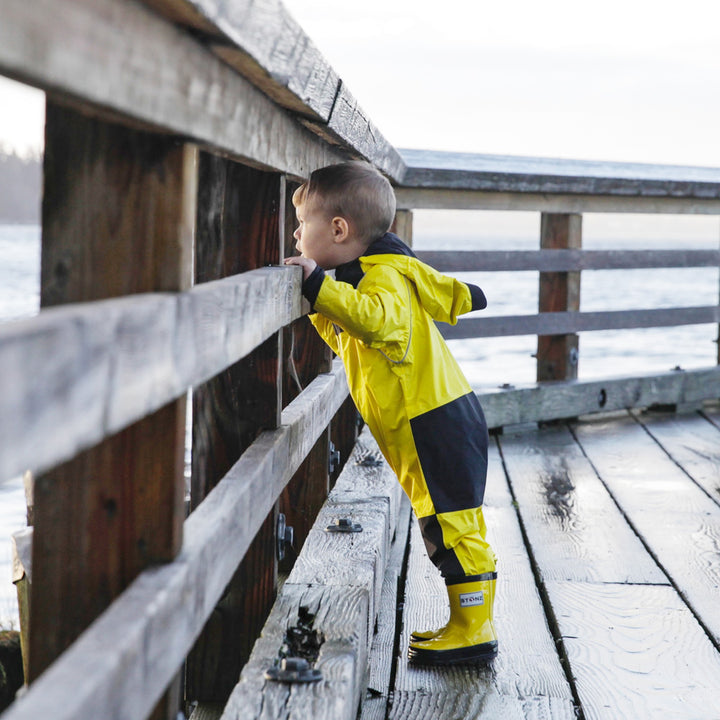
(607, 531)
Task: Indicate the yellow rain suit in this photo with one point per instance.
(378, 315)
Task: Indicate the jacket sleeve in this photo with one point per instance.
(378, 312)
(326, 330)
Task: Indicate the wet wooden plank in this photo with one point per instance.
(636, 651)
(692, 441)
(380, 662)
(526, 679)
(575, 529)
(675, 518)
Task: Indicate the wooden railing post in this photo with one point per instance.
(557, 355)
(307, 355)
(239, 229)
(118, 218)
(403, 226)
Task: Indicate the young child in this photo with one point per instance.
(378, 315)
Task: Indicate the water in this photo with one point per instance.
(488, 362)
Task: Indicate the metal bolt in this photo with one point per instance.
(344, 525)
(333, 459)
(293, 670)
(284, 536)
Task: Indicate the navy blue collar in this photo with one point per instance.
(388, 244)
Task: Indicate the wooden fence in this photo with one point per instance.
(176, 132)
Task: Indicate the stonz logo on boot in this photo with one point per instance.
(470, 599)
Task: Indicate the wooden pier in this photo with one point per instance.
(176, 133)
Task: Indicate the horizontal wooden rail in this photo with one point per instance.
(566, 260)
(122, 663)
(557, 400)
(78, 373)
(562, 323)
(519, 175)
(411, 198)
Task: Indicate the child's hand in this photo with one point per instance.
(307, 264)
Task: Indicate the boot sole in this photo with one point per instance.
(472, 654)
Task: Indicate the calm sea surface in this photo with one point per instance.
(488, 362)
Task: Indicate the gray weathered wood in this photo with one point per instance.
(339, 613)
(433, 198)
(265, 43)
(560, 323)
(374, 705)
(123, 663)
(553, 401)
(675, 518)
(565, 260)
(76, 374)
(500, 173)
(333, 564)
(636, 652)
(119, 58)
(575, 529)
(692, 441)
(526, 678)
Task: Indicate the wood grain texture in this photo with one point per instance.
(559, 292)
(435, 169)
(135, 647)
(675, 518)
(565, 260)
(161, 76)
(380, 661)
(636, 652)
(527, 669)
(559, 323)
(692, 441)
(118, 215)
(341, 616)
(104, 365)
(441, 199)
(575, 530)
(552, 401)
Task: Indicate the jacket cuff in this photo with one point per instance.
(479, 302)
(311, 286)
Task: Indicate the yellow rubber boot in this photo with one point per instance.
(470, 634)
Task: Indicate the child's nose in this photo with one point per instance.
(296, 234)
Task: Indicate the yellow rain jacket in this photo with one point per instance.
(378, 315)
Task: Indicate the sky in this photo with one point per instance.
(625, 80)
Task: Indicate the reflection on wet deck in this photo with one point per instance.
(608, 537)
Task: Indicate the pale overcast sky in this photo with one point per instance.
(627, 80)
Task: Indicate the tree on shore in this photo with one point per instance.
(20, 188)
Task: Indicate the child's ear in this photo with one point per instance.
(340, 229)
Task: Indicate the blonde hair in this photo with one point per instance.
(353, 190)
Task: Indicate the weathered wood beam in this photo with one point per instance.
(119, 58)
(501, 173)
(240, 226)
(409, 198)
(556, 400)
(558, 323)
(118, 217)
(565, 260)
(134, 649)
(75, 374)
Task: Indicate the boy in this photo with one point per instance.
(378, 316)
